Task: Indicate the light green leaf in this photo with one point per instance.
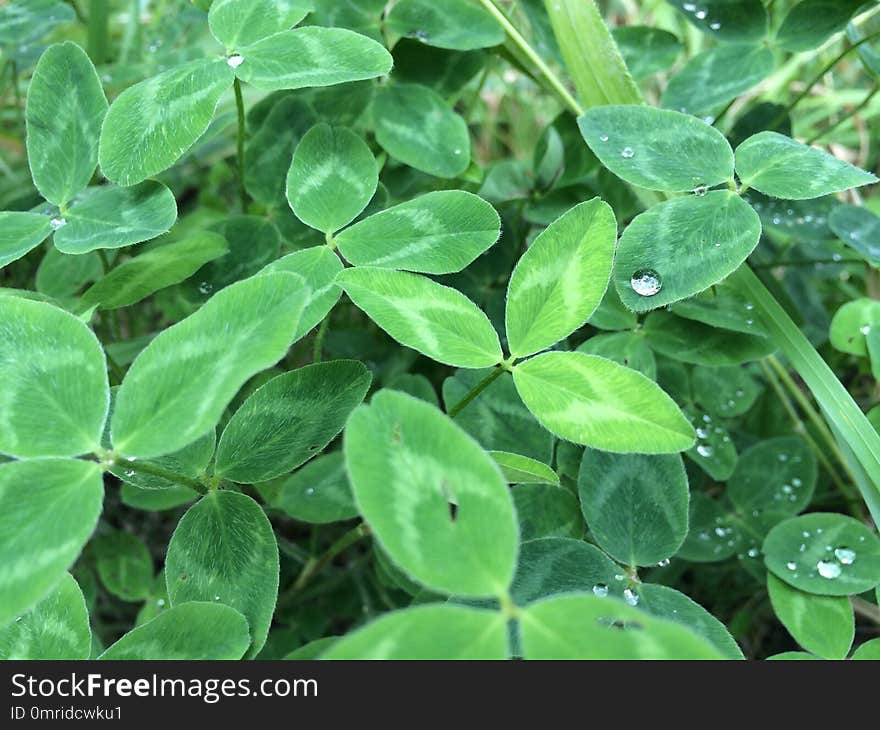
(22, 22)
(21, 232)
(625, 348)
(290, 419)
(519, 469)
(62, 275)
(65, 108)
(869, 651)
(313, 56)
(124, 565)
(224, 550)
(646, 50)
(561, 278)
(683, 246)
(636, 505)
(178, 387)
(113, 217)
(824, 553)
(460, 25)
(434, 500)
(56, 628)
(712, 78)
(53, 382)
(318, 493)
(436, 320)
(778, 474)
(726, 391)
(137, 278)
(48, 509)
(727, 20)
(723, 306)
(859, 229)
(188, 632)
(316, 268)
(810, 23)
(432, 632)
(784, 168)
(598, 403)
(657, 149)
(547, 510)
(151, 124)
(689, 341)
(437, 233)
(823, 625)
(239, 23)
(852, 324)
(415, 125)
(588, 627)
(332, 177)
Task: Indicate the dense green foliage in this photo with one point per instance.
(462, 329)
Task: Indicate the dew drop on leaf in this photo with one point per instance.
(828, 569)
(235, 60)
(845, 555)
(646, 282)
(600, 589)
(627, 153)
(57, 223)
(631, 597)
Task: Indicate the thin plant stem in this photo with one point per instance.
(239, 103)
(849, 115)
(318, 347)
(806, 262)
(143, 467)
(475, 391)
(520, 42)
(315, 566)
(97, 31)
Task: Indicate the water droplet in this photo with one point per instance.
(702, 433)
(805, 533)
(782, 457)
(753, 552)
(235, 60)
(600, 589)
(787, 489)
(216, 598)
(603, 137)
(707, 418)
(701, 190)
(456, 151)
(646, 282)
(865, 330)
(664, 563)
(129, 472)
(828, 569)
(18, 618)
(791, 565)
(160, 602)
(704, 451)
(717, 245)
(700, 15)
(715, 25)
(205, 287)
(310, 491)
(845, 555)
(57, 223)
(689, 7)
(131, 459)
(796, 482)
(627, 153)
(631, 597)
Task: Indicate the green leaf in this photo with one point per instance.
(239, 23)
(683, 246)
(689, 341)
(714, 452)
(665, 602)
(161, 267)
(48, 509)
(598, 403)
(62, 275)
(546, 510)
(635, 505)
(188, 632)
(711, 535)
(22, 22)
(823, 625)
(318, 493)
(179, 386)
(646, 50)
(313, 56)
(519, 469)
(839, 557)
(290, 419)
(21, 232)
(784, 168)
(435, 501)
(437, 233)
(657, 149)
(588, 627)
(870, 650)
(561, 278)
(859, 229)
(724, 307)
(852, 324)
(778, 474)
(625, 348)
(811, 22)
(65, 108)
(415, 125)
(497, 417)
(425, 633)
(316, 268)
(124, 565)
(727, 20)
(224, 550)
(113, 217)
(712, 78)
(332, 177)
(56, 628)
(53, 382)
(459, 24)
(436, 320)
(724, 392)
(151, 124)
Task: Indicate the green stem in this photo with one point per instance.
(317, 565)
(522, 44)
(849, 115)
(97, 31)
(145, 467)
(806, 262)
(818, 77)
(318, 348)
(836, 402)
(239, 103)
(475, 391)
